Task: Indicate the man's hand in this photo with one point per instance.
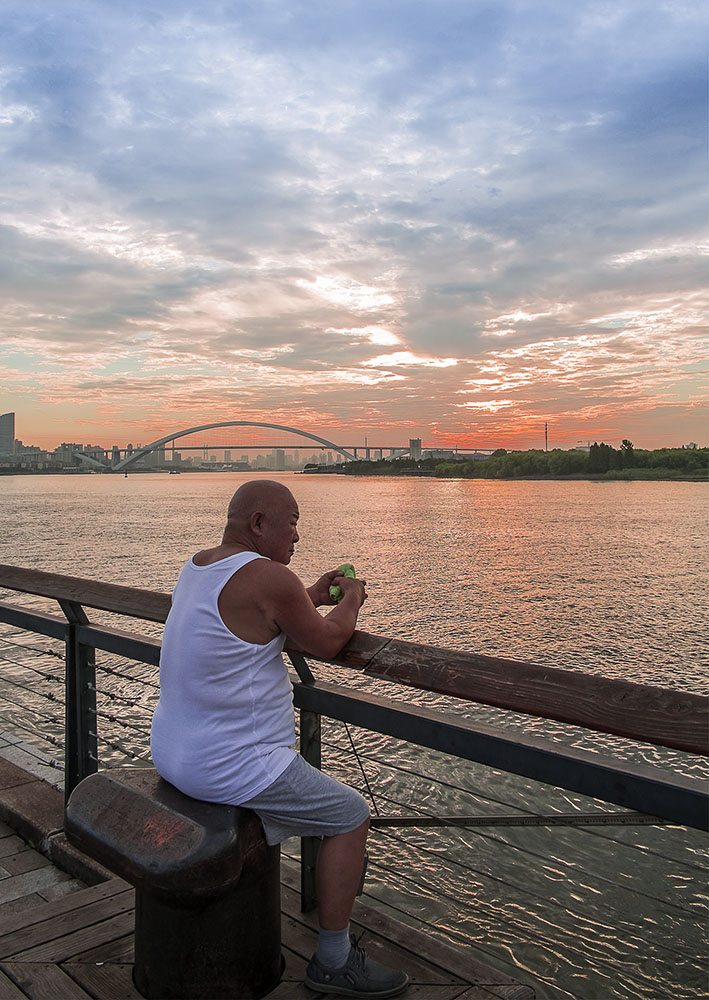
(352, 588)
(319, 593)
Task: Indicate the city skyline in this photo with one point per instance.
(188, 440)
(449, 221)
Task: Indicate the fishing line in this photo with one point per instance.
(364, 775)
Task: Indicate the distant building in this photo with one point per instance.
(415, 449)
(65, 453)
(96, 452)
(444, 455)
(154, 459)
(7, 433)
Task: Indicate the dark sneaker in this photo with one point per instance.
(359, 977)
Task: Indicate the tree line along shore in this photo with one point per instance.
(601, 461)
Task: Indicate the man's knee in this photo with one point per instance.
(357, 833)
(363, 828)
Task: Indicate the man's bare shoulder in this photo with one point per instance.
(264, 576)
(269, 573)
(251, 602)
(215, 554)
(204, 557)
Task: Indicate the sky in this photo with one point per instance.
(446, 219)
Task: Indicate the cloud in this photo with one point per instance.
(404, 359)
(254, 195)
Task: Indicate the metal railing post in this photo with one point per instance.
(311, 750)
(81, 745)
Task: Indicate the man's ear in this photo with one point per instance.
(256, 522)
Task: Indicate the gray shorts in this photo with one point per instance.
(304, 802)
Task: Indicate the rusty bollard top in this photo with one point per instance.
(174, 847)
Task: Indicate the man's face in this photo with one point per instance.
(280, 531)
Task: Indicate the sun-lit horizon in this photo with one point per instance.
(532, 436)
(443, 221)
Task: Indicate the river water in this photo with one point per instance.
(609, 578)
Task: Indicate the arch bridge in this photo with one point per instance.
(124, 463)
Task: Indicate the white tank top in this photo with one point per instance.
(224, 725)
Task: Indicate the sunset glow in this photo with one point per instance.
(442, 220)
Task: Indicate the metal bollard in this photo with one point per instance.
(207, 913)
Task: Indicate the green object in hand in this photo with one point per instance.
(336, 594)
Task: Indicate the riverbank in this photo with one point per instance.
(121, 474)
(625, 476)
(598, 462)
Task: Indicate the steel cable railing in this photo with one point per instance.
(135, 680)
(487, 834)
(135, 703)
(119, 722)
(126, 751)
(27, 666)
(113, 696)
(46, 737)
(35, 692)
(32, 649)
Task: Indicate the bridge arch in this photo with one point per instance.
(129, 459)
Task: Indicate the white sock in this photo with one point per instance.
(333, 947)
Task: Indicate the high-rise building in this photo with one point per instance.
(415, 449)
(7, 433)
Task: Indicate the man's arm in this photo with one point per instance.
(294, 613)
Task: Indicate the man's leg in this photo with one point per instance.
(306, 802)
(337, 876)
(338, 967)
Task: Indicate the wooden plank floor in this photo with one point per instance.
(61, 940)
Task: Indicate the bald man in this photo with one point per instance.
(224, 727)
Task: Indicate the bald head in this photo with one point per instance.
(259, 495)
(263, 517)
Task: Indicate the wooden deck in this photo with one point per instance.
(61, 939)
(80, 945)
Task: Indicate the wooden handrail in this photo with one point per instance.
(131, 601)
(644, 712)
